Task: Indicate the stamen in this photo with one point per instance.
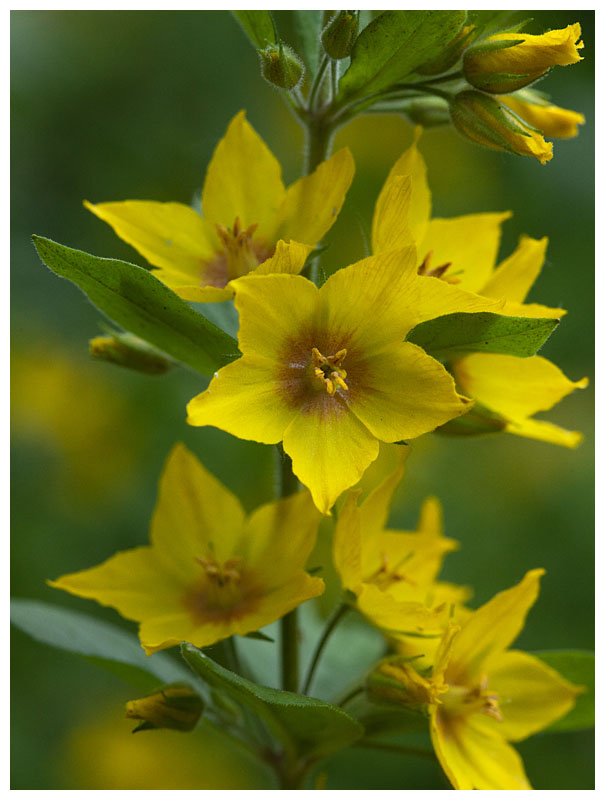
(437, 272)
(240, 251)
(227, 573)
(328, 370)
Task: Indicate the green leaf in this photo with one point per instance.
(98, 641)
(394, 45)
(259, 27)
(307, 727)
(459, 334)
(307, 26)
(140, 303)
(578, 667)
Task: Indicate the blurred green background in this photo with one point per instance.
(129, 105)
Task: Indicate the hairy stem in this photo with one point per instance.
(287, 483)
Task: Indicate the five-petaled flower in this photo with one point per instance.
(327, 372)
(462, 251)
(249, 216)
(392, 574)
(481, 695)
(211, 571)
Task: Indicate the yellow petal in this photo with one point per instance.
(407, 616)
(553, 121)
(169, 235)
(330, 450)
(289, 257)
(412, 164)
(202, 294)
(404, 393)
(243, 180)
(390, 226)
(435, 297)
(273, 310)
(279, 537)
(375, 509)
(346, 545)
(470, 243)
(381, 287)
(123, 582)
(535, 53)
(515, 276)
(473, 758)
(194, 511)
(531, 695)
(513, 309)
(490, 630)
(246, 399)
(312, 203)
(514, 387)
(545, 432)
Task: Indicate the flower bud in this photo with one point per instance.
(506, 62)
(427, 111)
(281, 66)
(396, 681)
(560, 123)
(450, 54)
(339, 35)
(128, 350)
(176, 706)
(488, 122)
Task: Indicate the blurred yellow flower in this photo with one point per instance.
(327, 371)
(392, 573)
(463, 251)
(249, 216)
(210, 571)
(492, 695)
(508, 61)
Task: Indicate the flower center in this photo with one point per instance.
(460, 700)
(388, 574)
(240, 253)
(222, 574)
(436, 272)
(225, 591)
(328, 370)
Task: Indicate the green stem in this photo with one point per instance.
(396, 748)
(351, 695)
(317, 82)
(286, 484)
(338, 614)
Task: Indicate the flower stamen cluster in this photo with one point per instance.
(329, 371)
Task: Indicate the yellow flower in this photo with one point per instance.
(508, 61)
(392, 573)
(210, 571)
(559, 123)
(176, 706)
(249, 216)
(463, 251)
(327, 372)
(492, 695)
(484, 120)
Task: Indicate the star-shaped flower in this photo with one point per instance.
(327, 372)
(249, 216)
(210, 571)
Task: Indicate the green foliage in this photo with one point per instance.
(578, 667)
(140, 303)
(99, 642)
(394, 45)
(258, 25)
(307, 727)
(454, 335)
(307, 27)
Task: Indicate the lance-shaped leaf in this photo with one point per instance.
(454, 335)
(578, 667)
(394, 45)
(98, 641)
(140, 303)
(307, 727)
(258, 25)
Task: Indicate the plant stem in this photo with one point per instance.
(338, 614)
(287, 483)
(317, 82)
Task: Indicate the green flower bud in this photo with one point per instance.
(128, 350)
(281, 66)
(489, 122)
(395, 681)
(427, 111)
(450, 54)
(338, 37)
(176, 706)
